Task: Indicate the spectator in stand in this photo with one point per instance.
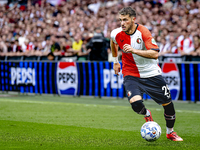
(84, 53)
(79, 48)
(77, 43)
(51, 56)
(98, 46)
(62, 46)
(17, 49)
(22, 39)
(3, 47)
(185, 44)
(164, 47)
(9, 46)
(196, 46)
(68, 48)
(197, 51)
(38, 50)
(55, 47)
(47, 47)
(174, 47)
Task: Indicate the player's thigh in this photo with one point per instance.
(132, 88)
(158, 90)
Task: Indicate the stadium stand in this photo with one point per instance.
(31, 29)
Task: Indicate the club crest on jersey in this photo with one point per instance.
(138, 40)
(129, 93)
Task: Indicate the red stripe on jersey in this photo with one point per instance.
(190, 42)
(176, 51)
(182, 44)
(127, 58)
(129, 66)
(122, 38)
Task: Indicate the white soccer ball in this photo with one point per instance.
(150, 131)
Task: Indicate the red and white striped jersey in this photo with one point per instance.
(132, 64)
(185, 44)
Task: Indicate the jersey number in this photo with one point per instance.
(166, 90)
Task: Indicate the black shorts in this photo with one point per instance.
(155, 87)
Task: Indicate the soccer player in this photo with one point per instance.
(140, 68)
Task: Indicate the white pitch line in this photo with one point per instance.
(179, 111)
(87, 105)
(158, 109)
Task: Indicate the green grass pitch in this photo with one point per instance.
(77, 123)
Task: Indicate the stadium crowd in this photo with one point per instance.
(70, 29)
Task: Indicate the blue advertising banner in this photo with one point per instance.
(28, 77)
(91, 79)
(98, 79)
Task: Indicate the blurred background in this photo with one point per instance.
(79, 30)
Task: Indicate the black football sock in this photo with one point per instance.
(169, 114)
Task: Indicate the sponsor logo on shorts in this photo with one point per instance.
(129, 93)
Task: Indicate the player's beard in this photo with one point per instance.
(130, 27)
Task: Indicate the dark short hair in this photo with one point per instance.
(128, 11)
(50, 54)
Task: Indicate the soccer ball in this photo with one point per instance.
(150, 131)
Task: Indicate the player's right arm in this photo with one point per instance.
(114, 48)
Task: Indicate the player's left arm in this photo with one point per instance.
(114, 48)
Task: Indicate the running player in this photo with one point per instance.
(140, 68)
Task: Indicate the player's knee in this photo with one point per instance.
(135, 98)
(138, 107)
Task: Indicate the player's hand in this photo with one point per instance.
(117, 68)
(128, 48)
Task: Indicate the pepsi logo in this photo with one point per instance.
(171, 76)
(22, 76)
(67, 78)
